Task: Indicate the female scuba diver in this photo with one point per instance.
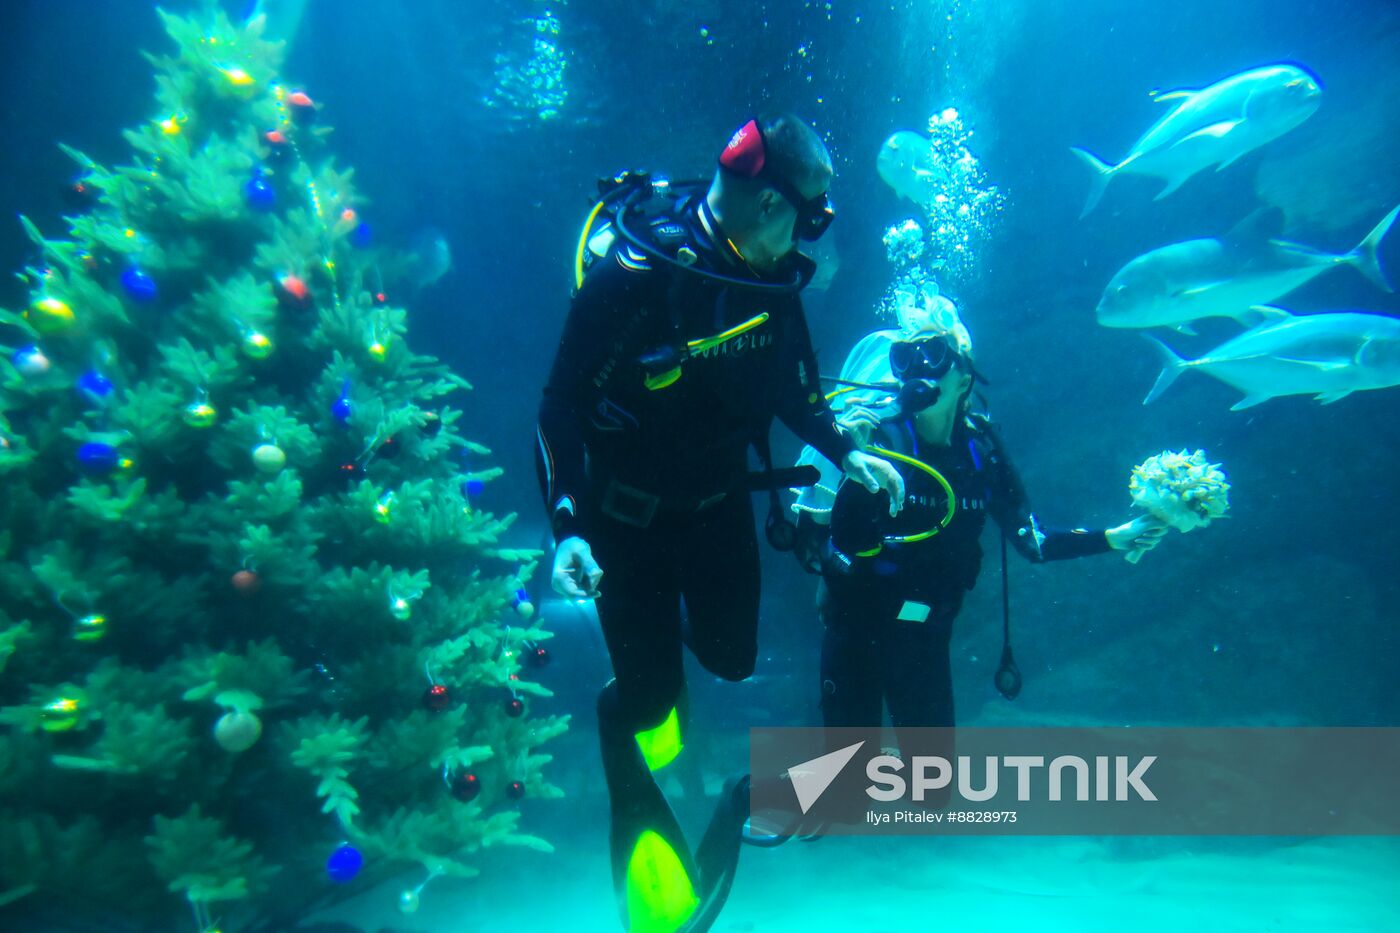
(891, 586)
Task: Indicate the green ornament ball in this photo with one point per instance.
(50, 316)
(90, 628)
(61, 715)
(269, 458)
(408, 901)
(257, 346)
(237, 731)
(201, 415)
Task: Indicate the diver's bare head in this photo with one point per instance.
(770, 189)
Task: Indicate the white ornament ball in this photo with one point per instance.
(269, 458)
(236, 731)
(408, 902)
(32, 362)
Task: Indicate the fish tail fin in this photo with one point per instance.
(1172, 367)
(1102, 174)
(1366, 256)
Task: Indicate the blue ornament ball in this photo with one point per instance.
(342, 408)
(344, 864)
(94, 385)
(473, 487)
(97, 457)
(362, 236)
(140, 286)
(260, 194)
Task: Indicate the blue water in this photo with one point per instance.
(1284, 614)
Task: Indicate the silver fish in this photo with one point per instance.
(1226, 277)
(1327, 355)
(1214, 126)
(907, 164)
(430, 257)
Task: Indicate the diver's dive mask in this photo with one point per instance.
(918, 365)
(814, 215)
(746, 155)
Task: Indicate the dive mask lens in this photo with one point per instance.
(902, 356)
(930, 358)
(813, 218)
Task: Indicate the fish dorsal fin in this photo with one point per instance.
(1180, 93)
(1255, 231)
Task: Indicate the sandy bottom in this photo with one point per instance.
(895, 885)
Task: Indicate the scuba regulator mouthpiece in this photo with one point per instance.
(917, 395)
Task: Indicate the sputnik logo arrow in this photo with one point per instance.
(810, 779)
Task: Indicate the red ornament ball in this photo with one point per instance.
(464, 786)
(538, 657)
(301, 107)
(437, 698)
(515, 707)
(515, 790)
(247, 583)
(293, 293)
(278, 145)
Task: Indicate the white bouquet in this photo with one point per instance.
(1184, 491)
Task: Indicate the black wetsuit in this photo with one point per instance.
(869, 655)
(653, 479)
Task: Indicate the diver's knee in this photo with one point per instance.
(733, 666)
(636, 713)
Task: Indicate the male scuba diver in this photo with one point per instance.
(890, 588)
(685, 338)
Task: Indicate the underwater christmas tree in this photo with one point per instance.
(258, 646)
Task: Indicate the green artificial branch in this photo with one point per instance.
(103, 503)
(146, 742)
(262, 671)
(324, 746)
(247, 428)
(10, 639)
(195, 857)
